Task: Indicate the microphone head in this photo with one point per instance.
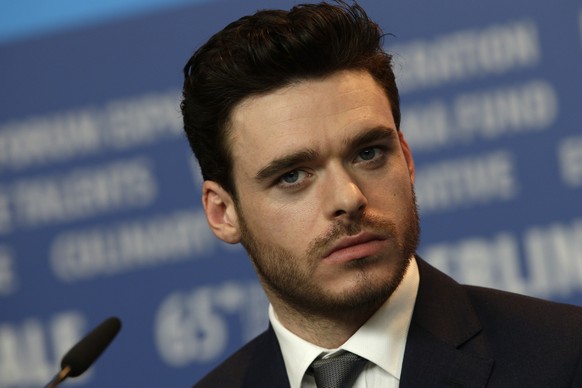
(86, 351)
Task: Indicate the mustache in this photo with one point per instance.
(368, 222)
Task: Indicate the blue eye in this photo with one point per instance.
(368, 154)
(294, 180)
(371, 157)
(291, 177)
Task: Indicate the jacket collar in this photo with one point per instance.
(266, 366)
(445, 347)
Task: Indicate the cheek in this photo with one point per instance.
(291, 226)
(394, 193)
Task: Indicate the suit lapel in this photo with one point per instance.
(267, 368)
(444, 346)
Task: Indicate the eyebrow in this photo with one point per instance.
(373, 135)
(277, 166)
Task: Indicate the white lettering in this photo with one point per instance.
(486, 115)
(55, 138)
(8, 278)
(554, 258)
(83, 192)
(570, 157)
(25, 356)
(5, 212)
(192, 327)
(470, 53)
(65, 135)
(111, 250)
(466, 182)
(143, 120)
(533, 106)
(427, 126)
(550, 267)
(479, 261)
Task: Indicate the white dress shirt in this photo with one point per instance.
(381, 340)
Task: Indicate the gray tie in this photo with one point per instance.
(340, 371)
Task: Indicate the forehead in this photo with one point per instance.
(316, 114)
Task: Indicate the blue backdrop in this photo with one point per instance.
(99, 195)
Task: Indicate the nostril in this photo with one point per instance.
(353, 212)
(340, 213)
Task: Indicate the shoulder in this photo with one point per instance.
(257, 364)
(231, 372)
(532, 342)
(493, 307)
(515, 309)
(529, 336)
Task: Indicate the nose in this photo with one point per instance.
(344, 197)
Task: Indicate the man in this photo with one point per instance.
(294, 118)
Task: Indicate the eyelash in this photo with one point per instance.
(377, 160)
(295, 185)
(378, 157)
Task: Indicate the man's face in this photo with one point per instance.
(325, 204)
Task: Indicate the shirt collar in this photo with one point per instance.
(381, 340)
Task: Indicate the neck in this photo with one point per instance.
(328, 331)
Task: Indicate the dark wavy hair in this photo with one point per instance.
(266, 51)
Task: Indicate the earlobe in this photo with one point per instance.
(407, 155)
(220, 212)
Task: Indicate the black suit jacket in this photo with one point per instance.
(460, 336)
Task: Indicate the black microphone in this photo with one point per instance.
(87, 350)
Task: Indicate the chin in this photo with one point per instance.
(363, 292)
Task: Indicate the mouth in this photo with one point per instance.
(361, 245)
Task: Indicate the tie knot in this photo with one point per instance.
(339, 371)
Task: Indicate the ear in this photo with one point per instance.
(407, 155)
(220, 212)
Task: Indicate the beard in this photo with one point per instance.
(290, 278)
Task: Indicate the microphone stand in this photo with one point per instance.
(86, 351)
(62, 375)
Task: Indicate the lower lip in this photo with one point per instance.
(358, 251)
